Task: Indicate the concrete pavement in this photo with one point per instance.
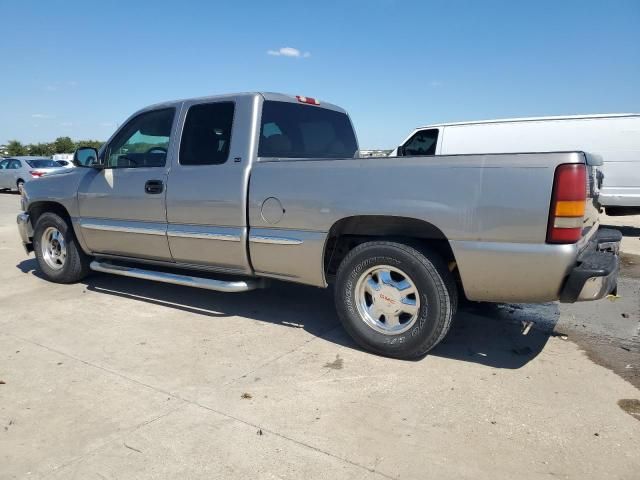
(122, 378)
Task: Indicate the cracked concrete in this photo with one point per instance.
(121, 378)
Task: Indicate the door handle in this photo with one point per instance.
(153, 187)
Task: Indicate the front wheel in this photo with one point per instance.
(59, 256)
(394, 299)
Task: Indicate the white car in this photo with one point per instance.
(613, 137)
(65, 163)
(16, 171)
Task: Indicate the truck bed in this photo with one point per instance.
(492, 209)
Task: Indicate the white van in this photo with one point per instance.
(614, 137)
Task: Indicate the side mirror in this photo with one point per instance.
(86, 157)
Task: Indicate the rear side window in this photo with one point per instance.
(207, 134)
(43, 163)
(289, 130)
(422, 143)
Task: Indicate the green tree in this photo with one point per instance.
(40, 149)
(14, 148)
(63, 145)
(89, 143)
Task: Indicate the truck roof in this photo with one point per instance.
(533, 119)
(278, 97)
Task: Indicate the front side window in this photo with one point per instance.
(290, 130)
(143, 142)
(206, 136)
(15, 164)
(422, 143)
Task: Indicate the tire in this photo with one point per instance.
(407, 335)
(69, 268)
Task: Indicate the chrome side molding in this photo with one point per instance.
(225, 237)
(112, 227)
(177, 279)
(274, 240)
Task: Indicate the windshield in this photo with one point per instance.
(42, 164)
(289, 130)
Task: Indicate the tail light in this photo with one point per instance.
(36, 174)
(568, 202)
(307, 100)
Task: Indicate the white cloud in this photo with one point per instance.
(66, 124)
(107, 124)
(73, 83)
(288, 52)
(51, 88)
(41, 115)
(436, 83)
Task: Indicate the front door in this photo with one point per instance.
(123, 206)
(422, 143)
(4, 174)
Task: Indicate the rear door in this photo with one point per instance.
(15, 170)
(206, 196)
(122, 207)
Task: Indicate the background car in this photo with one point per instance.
(16, 171)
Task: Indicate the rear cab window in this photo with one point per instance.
(290, 130)
(206, 137)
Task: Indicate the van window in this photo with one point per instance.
(422, 143)
(290, 130)
(207, 134)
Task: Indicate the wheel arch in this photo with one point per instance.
(349, 232)
(36, 209)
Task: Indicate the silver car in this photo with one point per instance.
(16, 171)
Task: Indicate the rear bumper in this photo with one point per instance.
(595, 274)
(26, 231)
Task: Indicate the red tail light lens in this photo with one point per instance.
(36, 174)
(307, 100)
(568, 204)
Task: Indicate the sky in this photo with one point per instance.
(80, 68)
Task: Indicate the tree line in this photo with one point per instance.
(46, 149)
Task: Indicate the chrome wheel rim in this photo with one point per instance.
(54, 248)
(387, 299)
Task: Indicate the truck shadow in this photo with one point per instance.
(486, 334)
(626, 230)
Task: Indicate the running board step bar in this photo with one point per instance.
(177, 279)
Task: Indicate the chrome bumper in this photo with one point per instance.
(26, 231)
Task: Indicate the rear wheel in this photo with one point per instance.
(59, 256)
(394, 299)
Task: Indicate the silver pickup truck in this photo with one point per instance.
(226, 192)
